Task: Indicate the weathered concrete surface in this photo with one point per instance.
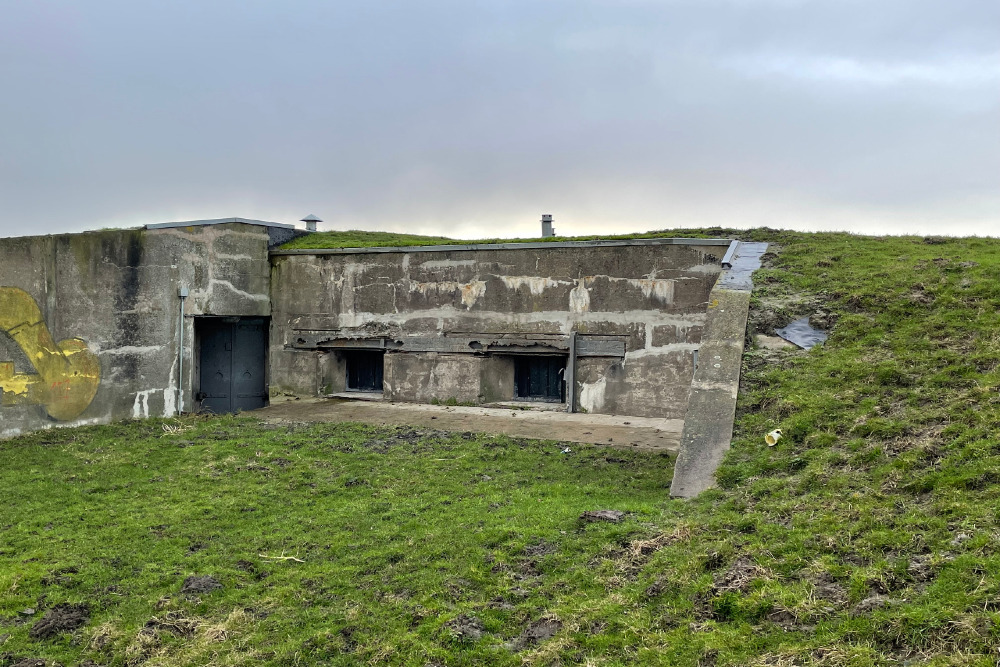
(641, 433)
(444, 317)
(277, 232)
(424, 377)
(708, 424)
(110, 297)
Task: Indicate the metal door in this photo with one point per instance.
(233, 364)
(540, 378)
(365, 370)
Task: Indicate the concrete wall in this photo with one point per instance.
(89, 322)
(450, 319)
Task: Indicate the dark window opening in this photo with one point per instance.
(364, 370)
(540, 378)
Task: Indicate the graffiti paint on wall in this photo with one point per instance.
(67, 372)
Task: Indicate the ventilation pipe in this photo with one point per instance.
(547, 229)
(311, 221)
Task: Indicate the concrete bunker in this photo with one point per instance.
(104, 310)
(215, 316)
(604, 327)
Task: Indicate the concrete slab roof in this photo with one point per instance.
(539, 245)
(219, 221)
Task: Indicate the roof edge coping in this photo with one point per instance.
(537, 245)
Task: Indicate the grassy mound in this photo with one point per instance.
(867, 536)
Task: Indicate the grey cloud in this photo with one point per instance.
(473, 117)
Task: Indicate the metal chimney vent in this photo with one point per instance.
(311, 221)
(547, 228)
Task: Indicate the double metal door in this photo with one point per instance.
(233, 364)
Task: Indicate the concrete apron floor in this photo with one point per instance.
(640, 433)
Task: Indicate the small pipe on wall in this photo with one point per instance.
(182, 292)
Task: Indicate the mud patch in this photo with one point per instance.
(528, 567)
(465, 628)
(541, 548)
(773, 343)
(823, 319)
(61, 618)
(175, 623)
(766, 320)
(60, 577)
(659, 587)
(501, 603)
(773, 313)
(921, 296)
(784, 618)
(458, 589)
(826, 588)
(612, 516)
(198, 585)
(920, 569)
(871, 604)
(403, 436)
(535, 633)
(251, 569)
(739, 577)
(159, 530)
(630, 559)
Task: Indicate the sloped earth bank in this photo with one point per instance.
(867, 536)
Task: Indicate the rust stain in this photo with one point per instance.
(68, 373)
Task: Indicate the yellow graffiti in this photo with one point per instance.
(67, 372)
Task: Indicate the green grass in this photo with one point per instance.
(399, 531)
(357, 238)
(361, 239)
(867, 536)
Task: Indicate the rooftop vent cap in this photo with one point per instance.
(311, 221)
(547, 228)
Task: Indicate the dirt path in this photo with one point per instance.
(639, 432)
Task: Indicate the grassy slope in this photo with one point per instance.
(361, 239)
(868, 536)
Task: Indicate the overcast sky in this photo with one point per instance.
(470, 118)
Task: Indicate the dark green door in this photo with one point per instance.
(233, 364)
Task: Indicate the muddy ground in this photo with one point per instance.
(642, 433)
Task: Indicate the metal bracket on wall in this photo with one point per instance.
(570, 375)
